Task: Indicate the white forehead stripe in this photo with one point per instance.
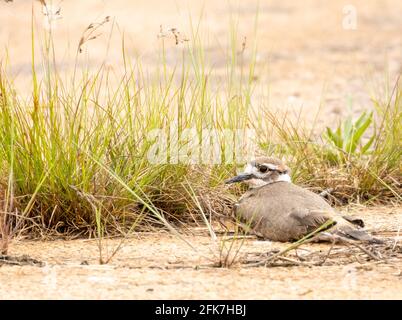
(248, 168)
(271, 166)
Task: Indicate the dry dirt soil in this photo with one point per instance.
(310, 53)
(162, 266)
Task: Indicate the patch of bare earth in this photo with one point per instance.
(161, 266)
(307, 57)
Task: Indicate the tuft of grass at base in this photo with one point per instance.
(92, 136)
(358, 162)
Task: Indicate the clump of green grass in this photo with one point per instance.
(90, 137)
(347, 139)
(359, 161)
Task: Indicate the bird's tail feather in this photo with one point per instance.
(357, 234)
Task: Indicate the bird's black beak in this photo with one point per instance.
(239, 178)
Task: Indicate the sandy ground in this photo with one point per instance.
(161, 266)
(310, 53)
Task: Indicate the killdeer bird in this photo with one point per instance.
(279, 210)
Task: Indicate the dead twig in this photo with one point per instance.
(20, 261)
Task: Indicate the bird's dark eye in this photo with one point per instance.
(263, 168)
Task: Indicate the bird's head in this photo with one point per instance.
(262, 171)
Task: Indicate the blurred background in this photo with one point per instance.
(330, 53)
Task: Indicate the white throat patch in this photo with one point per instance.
(256, 183)
(284, 177)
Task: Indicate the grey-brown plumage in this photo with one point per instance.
(282, 211)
